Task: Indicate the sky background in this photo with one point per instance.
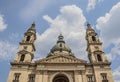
(53, 17)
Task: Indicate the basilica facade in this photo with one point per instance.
(60, 65)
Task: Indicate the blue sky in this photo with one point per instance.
(54, 16)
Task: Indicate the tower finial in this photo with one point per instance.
(89, 25)
(60, 38)
(32, 28)
(33, 24)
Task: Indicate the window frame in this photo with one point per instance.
(22, 57)
(31, 78)
(17, 76)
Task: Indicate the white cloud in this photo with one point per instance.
(34, 8)
(115, 51)
(3, 26)
(116, 74)
(71, 24)
(46, 17)
(7, 50)
(92, 3)
(109, 26)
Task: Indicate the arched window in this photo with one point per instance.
(22, 57)
(93, 38)
(99, 57)
(28, 38)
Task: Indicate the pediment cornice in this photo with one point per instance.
(61, 59)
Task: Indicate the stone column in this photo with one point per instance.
(78, 76)
(39, 76)
(45, 76)
(83, 76)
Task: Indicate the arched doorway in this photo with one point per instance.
(60, 78)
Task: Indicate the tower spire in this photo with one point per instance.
(27, 47)
(88, 25)
(94, 46)
(32, 28)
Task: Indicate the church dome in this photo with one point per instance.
(60, 45)
(60, 48)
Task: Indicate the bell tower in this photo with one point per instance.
(94, 46)
(27, 47)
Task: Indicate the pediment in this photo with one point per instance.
(61, 59)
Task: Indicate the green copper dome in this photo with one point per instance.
(60, 48)
(60, 45)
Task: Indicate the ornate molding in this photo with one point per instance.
(61, 59)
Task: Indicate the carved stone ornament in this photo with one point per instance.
(60, 59)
